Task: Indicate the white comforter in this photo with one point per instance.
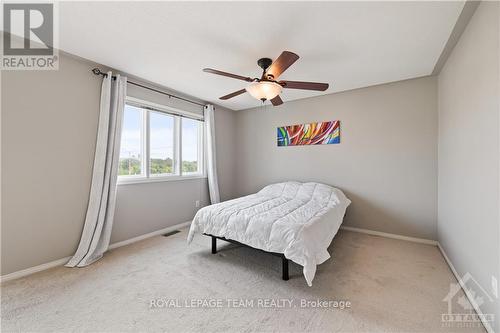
(296, 219)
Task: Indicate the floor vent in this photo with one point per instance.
(171, 233)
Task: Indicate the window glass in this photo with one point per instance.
(191, 145)
(131, 143)
(155, 143)
(161, 143)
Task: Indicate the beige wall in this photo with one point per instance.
(469, 106)
(48, 137)
(49, 124)
(386, 162)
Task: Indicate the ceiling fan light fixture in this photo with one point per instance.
(268, 87)
(264, 90)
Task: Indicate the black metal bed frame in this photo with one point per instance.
(284, 261)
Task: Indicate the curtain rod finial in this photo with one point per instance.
(96, 71)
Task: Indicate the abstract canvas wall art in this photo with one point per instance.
(322, 133)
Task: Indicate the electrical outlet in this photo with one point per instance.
(197, 203)
(494, 286)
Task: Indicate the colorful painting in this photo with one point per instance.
(324, 133)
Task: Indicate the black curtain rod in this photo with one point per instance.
(97, 71)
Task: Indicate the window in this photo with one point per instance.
(161, 144)
(131, 148)
(191, 146)
(158, 143)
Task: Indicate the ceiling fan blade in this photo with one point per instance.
(304, 85)
(277, 101)
(285, 60)
(231, 95)
(234, 76)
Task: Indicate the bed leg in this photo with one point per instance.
(214, 245)
(284, 263)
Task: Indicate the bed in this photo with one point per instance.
(296, 221)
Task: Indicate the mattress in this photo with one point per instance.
(296, 219)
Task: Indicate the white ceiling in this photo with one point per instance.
(347, 44)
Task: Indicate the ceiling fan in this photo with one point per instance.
(267, 87)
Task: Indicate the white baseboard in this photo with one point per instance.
(62, 261)
(151, 234)
(394, 236)
(32, 270)
(471, 298)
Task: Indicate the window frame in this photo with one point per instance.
(177, 114)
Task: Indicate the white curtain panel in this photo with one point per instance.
(101, 207)
(213, 184)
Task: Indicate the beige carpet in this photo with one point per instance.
(393, 286)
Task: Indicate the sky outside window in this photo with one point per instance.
(130, 148)
(161, 143)
(190, 142)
